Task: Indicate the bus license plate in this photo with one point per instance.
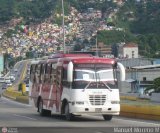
(98, 109)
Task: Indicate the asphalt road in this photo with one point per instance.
(24, 118)
(20, 68)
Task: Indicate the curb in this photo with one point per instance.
(149, 112)
(22, 99)
(16, 96)
(11, 94)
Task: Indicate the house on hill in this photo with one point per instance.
(129, 50)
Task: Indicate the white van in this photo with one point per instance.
(2, 80)
(12, 78)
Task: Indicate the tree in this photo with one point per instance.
(156, 84)
(6, 10)
(77, 47)
(115, 50)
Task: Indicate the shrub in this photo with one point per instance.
(156, 84)
(20, 87)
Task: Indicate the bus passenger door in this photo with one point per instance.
(58, 88)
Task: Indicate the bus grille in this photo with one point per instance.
(97, 99)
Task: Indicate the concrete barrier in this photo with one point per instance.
(150, 112)
(10, 93)
(22, 99)
(129, 96)
(15, 95)
(155, 97)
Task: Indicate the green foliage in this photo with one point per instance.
(113, 36)
(29, 55)
(6, 10)
(31, 11)
(145, 25)
(20, 87)
(149, 45)
(148, 18)
(77, 47)
(156, 84)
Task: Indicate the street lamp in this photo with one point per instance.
(96, 43)
(96, 47)
(64, 49)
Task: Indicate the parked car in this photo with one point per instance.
(12, 78)
(27, 87)
(2, 80)
(7, 80)
(4, 86)
(15, 70)
(9, 84)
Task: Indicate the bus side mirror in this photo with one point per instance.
(122, 71)
(70, 72)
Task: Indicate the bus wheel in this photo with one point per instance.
(68, 115)
(40, 108)
(107, 117)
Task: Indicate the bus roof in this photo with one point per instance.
(93, 60)
(61, 55)
(35, 62)
(81, 58)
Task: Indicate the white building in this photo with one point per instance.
(130, 50)
(1, 63)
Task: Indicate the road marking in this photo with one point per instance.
(131, 120)
(25, 117)
(1, 101)
(138, 121)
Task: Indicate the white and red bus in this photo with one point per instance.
(76, 84)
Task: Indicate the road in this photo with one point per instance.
(19, 74)
(20, 66)
(13, 114)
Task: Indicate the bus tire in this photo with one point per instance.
(40, 108)
(107, 117)
(68, 115)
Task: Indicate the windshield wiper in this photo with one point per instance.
(87, 86)
(107, 86)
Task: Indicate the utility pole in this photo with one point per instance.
(64, 47)
(96, 47)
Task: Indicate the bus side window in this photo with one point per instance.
(31, 73)
(42, 73)
(33, 76)
(65, 82)
(52, 75)
(59, 76)
(49, 73)
(36, 74)
(45, 74)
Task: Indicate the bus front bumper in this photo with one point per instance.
(110, 110)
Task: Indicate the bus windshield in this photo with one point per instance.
(95, 76)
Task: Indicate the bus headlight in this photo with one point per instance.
(114, 102)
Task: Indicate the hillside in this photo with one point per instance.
(140, 20)
(29, 10)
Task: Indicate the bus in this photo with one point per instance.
(76, 84)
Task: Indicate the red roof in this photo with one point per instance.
(130, 45)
